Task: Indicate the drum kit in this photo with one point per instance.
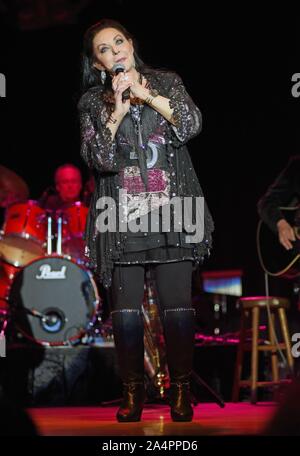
(48, 294)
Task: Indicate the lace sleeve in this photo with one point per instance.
(97, 146)
(187, 116)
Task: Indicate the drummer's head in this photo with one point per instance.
(68, 182)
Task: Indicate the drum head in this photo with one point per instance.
(53, 300)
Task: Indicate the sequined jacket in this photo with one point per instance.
(100, 152)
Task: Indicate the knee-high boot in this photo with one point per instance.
(179, 330)
(128, 333)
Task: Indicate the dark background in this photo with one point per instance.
(237, 64)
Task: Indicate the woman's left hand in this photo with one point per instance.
(137, 89)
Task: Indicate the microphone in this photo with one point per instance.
(119, 68)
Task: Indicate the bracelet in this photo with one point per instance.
(153, 93)
(112, 119)
(149, 100)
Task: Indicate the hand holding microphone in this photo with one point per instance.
(121, 82)
(124, 85)
(121, 87)
(119, 68)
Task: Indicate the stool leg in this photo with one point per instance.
(254, 354)
(275, 373)
(286, 338)
(239, 359)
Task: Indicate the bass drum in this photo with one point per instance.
(54, 301)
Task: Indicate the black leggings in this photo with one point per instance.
(173, 284)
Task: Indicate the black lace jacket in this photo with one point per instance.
(100, 153)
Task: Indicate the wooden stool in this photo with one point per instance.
(252, 306)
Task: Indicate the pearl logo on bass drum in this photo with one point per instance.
(46, 273)
(54, 312)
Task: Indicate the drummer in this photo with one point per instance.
(68, 188)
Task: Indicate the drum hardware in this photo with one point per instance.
(59, 236)
(52, 320)
(69, 223)
(49, 235)
(48, 317)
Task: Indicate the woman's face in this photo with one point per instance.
(111, 47)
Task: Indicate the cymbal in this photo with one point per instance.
(12, 187)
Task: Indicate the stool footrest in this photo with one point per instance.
(267, 347)
(244, 383)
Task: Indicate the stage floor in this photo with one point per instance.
(209, 419)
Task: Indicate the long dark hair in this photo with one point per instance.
(90, 76)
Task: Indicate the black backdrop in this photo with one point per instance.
(237, 64)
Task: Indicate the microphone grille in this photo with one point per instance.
(118, 67)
